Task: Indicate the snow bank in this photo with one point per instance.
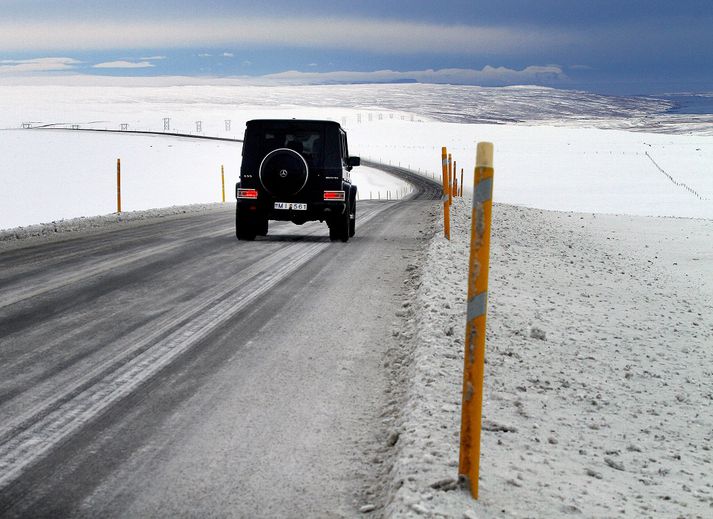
(10, 238)
(374, 184)
(598, 370)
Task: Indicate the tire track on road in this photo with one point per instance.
(29, 437)
(62, 251)
(50, 282)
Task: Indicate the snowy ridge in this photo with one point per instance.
(446, 103)
(598, 367)
(53, 230)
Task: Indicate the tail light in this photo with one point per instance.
(247, 193)
(334, 195)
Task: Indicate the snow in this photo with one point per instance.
(598, 376)
(374, 184)
(75, 175)
(598, 369)
(572, 167)
(564, 169)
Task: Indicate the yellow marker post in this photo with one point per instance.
(450, 180)
(444, 165)
(222, 181)
(474, 364)
(446, 205)
(118, 185)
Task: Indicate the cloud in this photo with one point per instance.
(124, 64)
(28, 66)
(204, 55)
(458, 76)
(153, 58)
(228, 55)
(361, 34)
(547, 75)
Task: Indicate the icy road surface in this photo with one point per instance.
(167, 369)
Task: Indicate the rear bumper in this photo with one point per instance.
(316, 210)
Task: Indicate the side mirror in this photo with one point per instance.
(353, 161)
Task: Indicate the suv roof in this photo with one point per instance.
(324, 121)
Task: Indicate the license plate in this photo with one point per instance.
(290, 205)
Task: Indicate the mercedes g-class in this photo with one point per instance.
(295, 170)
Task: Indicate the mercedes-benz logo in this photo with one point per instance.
(283, 173)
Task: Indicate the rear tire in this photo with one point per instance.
(352, 214)
(339, 226)
(245, 228)
(262, 226)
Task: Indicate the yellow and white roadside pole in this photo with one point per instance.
(474, 364)
(450, 182)
(461, 183)
(118, 185)
(222, 181)
(454, 182)
(446, 205)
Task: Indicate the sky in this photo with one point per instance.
(604, 46)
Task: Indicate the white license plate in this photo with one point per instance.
(290, 205)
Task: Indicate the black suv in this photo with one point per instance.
(295, 170)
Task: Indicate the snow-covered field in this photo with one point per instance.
(574, 167)
(609, 414)
(75, 175)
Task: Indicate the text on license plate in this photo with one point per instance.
(290, 205)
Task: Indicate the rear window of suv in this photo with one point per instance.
(317, 141)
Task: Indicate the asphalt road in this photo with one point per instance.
(166, 369)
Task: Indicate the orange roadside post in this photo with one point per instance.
(474, 362)
(446, 205)
(118, 185)
(444, 166)
(450, 180)
(222, 181)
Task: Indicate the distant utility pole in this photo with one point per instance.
(166, 124)
(124, 126)
(199, 126)
(227, 125)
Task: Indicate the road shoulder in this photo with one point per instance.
(597, 367)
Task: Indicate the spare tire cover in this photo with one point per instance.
(283, 172)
